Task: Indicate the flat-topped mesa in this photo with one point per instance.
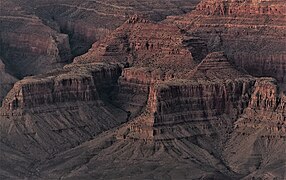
(74, 83)
(143, 44)
(244, 7)
(205, 101)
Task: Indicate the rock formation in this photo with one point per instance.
(27, 45)
(73, 83)
(252, 33)
(6, 81)
(52, 112)
(149, 100)
(139, 43)
(214, 89)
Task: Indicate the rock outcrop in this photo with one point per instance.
(200, 103)
(27, 45)
(141, 43)
(52, 112)
(184, 109)
(73, 83)
(6, 81)
(261, 131)
(252, 33)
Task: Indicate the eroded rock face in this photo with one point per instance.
(49, 35)
(252, 33)
(73, 83)
(141, 43)
(52, 112)
(209, 93)
(27, 45)
(261, 131)
(241, 8)
(6, 81)
(185, 112)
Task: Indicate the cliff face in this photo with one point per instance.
(87, 21)
(211, 96)
(52, 112)
(184, 111)
(73, 83)
(139, 43)
(261, 131)
(216, 117)
(6, 81)
(252, 33)
(26, 42)
(241, 8)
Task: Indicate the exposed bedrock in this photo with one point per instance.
(133, 89)
(141, 43)
(27, 45)
(211, 96)
(87, 21)
(6, 81)
(242, 8)
(259, 137)
(73, 83)
(49, 113)
(252, 33)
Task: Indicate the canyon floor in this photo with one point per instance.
(167, 89)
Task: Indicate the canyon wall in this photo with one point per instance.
(241, 8)
(261, 131)
(73, 83)
(211, 97)
(141, 43)
(52, 112)
(252, 33)
(6, 81)
(26, 42)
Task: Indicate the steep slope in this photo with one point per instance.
(43, 115)
(252, 33)
(6, 81)
(186, 115)
(258, 143)
(27, 45)
(179, 119)
(87, 21)
(177, 138)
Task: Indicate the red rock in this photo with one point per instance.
(68, 85)
(252, 33)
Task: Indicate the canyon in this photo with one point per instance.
(252, 33)
(126, 90)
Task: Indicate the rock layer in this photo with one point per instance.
(6, 81)
(73, 83)
(252, 33)
(26, 42)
